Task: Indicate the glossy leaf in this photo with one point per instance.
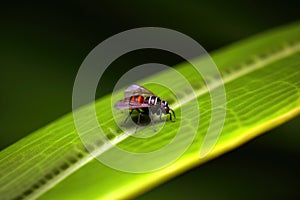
(262, 82)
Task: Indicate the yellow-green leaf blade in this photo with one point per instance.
(262, 87)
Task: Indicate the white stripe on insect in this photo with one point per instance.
(155, 101)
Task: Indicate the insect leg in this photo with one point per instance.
(130, 112)
(172, 111)
(139, 117)
(160, 113)
(152, 121)
(139, 120)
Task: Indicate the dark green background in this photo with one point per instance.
(42, 45)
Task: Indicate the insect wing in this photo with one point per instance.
(125, 105)
(122, 105)
(134, 90)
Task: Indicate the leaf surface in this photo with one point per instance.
(262, 82)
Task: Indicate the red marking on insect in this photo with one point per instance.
(142, 100)
(132, 99)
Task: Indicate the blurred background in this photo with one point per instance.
(42, 44)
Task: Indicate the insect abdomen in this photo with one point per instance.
(136, 99)
(153, 100)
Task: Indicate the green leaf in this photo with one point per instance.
(262, 81)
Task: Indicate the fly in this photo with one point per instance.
(142, 100)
